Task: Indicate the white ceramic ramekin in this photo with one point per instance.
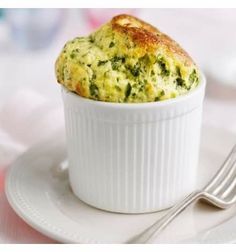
(133, 158)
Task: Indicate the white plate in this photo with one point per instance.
(39, 192)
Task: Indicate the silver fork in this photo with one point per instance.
(219, 192)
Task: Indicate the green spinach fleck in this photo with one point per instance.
(193, 77)
(135, 71)
(118, 88)
(91, 39)
(162, 93)
(180, 82)
(116, 62)
(93, 90)
(128, 90)
(111, 44)
(162, 64)
(178, 71)
(102, 62)
(72, 55)
(141, 86)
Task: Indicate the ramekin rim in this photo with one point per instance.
(179, 99)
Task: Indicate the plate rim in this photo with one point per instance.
(61, 237)
(19, 209)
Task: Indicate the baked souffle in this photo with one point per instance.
(126, 60)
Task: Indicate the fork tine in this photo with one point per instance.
(231, 198)
(224, 167)
(230, 188)
(226, 180)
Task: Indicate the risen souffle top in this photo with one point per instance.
(126, 60)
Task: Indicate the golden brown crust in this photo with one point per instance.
(146, 35)
(80, 90)
(175, 48)
(128, 21)
(142, 33)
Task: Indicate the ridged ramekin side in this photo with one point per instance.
(135, 162)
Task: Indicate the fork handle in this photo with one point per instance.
(159, 225)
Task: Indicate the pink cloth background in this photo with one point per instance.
(17, 134)
(17, 230)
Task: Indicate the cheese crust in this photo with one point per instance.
(126, 60)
